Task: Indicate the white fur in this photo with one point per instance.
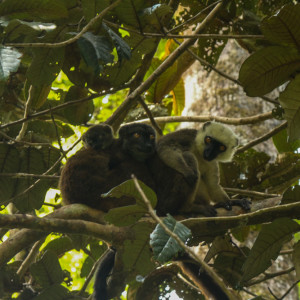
(221, 133)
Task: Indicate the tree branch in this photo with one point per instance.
(90, 24)
(56, 221)
(225, 120)
(262, 138)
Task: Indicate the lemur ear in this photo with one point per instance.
(205, 125)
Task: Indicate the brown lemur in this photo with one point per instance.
(106, 162)
(194, 155)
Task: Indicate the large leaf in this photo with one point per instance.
(291, 195)
(18, 30)
(267, 246)
(28, 9)
(46, 62)
(268, 68)
(122, 47)
(290, 101)
(79, 113)
(128, 189)
(282, 143)
(47, 270)
(284, 27)
(137, 253)
(29, 160)
(93, 49)
(124, 216)
(9, 61)
(53, 292)
(165, 247)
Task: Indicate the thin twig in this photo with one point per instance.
(24, 142)
(90, 24)
(26, 112)
(30, 258)
(250, 193)
(150, 116)
(230, 121)
(27, 175)
(57, 134)
(262, 138)
(188, 250)
(268, 276)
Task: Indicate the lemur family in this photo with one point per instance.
(182, 169)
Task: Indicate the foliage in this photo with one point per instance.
(67, 64)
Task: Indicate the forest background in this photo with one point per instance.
(68, 64)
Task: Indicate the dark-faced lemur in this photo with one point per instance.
(194, 155)
(106, 162)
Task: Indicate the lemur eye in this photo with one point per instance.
(207, 140)
(222, 148)
(136, 135)
(152, 137)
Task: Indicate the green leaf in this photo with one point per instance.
(28, 9)
(27, 160)
(39, 95)
(290, 101)
(137, 253)
(284, 28)
(221, 244)
(282, 144)
(165, 247)
(59, 246)
(229, 266)
(54, 292)
(178, 98)
(268, 68)
(125, 215)
(127, 10)
(9, 61)
(47, 270)
(94, 48)
(128, 189)
(45, 66)
(156, 15)
(291, 195)
(122, 47)
(267, 246)
(80, 113)
(27, 31)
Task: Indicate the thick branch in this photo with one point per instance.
(207, 226)
(26, 237)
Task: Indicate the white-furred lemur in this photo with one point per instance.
(194, 155)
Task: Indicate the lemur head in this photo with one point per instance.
(216, 141)
(138, 140)
(98, 137)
